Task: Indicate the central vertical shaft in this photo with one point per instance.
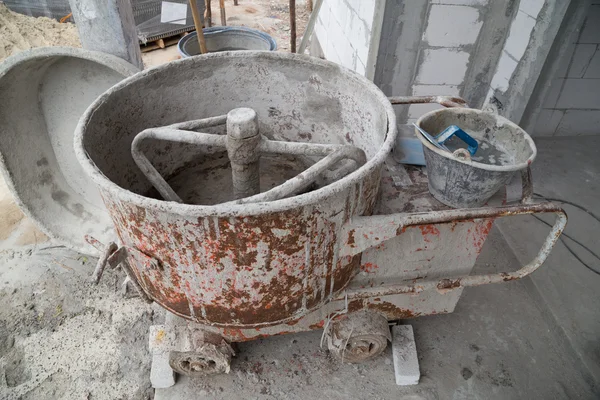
(242, 148)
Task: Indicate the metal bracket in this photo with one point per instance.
(112, 255)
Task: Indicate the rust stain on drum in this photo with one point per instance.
(235, 271)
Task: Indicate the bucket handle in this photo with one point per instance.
(362, 233)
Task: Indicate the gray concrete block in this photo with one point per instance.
(452, 26)
(504, 71)
(547, 122)
(579, 123)
(161, 374)
(462, 2)
(565, 61)
(442, 67)
(582, 57)
(404, 353)
(531, 7)
(580, 94)
(416, 110)
(444, 90)
(593, 69)
(591, 26)
(553, 93)
(519, 35)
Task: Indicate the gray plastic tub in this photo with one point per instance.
(226, 38)
(461, 183)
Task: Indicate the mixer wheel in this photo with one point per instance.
(209, 359)
(358, 336)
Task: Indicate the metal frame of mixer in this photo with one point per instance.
(355, 321)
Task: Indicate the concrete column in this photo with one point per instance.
(108, 26)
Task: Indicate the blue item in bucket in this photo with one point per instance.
(453, 130)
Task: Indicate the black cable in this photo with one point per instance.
(569, 203)
(570, 249)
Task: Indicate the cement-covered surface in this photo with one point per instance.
(568, 169)
(496, 345)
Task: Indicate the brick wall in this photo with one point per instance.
(572, 106)
(344, 30)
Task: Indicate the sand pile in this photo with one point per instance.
(21, 32)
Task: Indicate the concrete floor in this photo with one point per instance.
(567, 168)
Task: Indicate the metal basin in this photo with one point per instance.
(226, 38)
(44, 92)
(236, 265)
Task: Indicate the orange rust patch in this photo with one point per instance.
(427, 231)
(368, 267)
(318, 325)
(391, 311)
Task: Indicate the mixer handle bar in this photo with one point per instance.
(244, 145)
(446, 101)
(363, 233)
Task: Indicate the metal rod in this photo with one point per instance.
(198, 25)
(298, 148)
(293, 26)
(173, 135)
(475, 280)
(446, 101)
(208, 13)
(223, 16)
(200, 123)
(310, 27)
(305, 178)
(243, 142)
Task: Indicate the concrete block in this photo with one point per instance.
(591, 27)
(531, 7)
(504, 70)
(462, 2)
(519, 35)
(404, 353)
(416, 110)
(442, 67)
(452, 26)
(366, 11)
(580, 93)
(565, 61)
(553, 93)
(579, 123)
(548, 121)
(582, 57)
(360, 67)
(427, 90)
(161, 374)
(593, 69)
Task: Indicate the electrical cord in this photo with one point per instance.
(595, 271)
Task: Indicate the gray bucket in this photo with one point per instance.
(504, 148)
(226, 38)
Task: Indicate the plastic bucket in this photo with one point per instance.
(226, 38)
(505, 148)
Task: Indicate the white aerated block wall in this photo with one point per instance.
(344, 30)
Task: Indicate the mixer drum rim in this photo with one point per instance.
(190, 210)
